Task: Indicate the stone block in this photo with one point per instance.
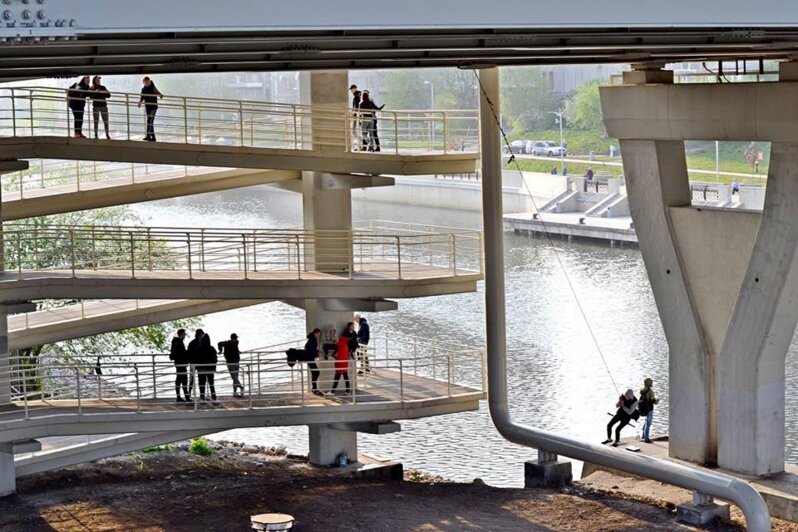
(547, 474)
(384, 471)
(702, 514)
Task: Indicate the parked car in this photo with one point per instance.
(549, 148)
(516, 146)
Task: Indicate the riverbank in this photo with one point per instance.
(178, 490)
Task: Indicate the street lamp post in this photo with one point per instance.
(431, 108)
(559, 114)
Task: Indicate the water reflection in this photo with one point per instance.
(557, 378)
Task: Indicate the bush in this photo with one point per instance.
(200, 446)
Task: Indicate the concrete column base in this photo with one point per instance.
(702, 510)
(547, 474)
(327, 443)
(8, 478)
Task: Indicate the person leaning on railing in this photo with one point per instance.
(368, 122)
(149, 97)
(76, 99)
(232, 355)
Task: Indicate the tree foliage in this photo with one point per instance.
(583, 108)
(527, 99)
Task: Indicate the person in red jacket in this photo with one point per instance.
(342, 357)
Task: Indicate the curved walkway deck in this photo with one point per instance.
(35, 123)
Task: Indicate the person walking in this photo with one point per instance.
(76, 100)
(735, 188)
(342, 357)
(363, 337)
(149, 97)
(646, 407)
(99, 95)
(312, 352)
(627, 411)
(232, 356)
(179, 355)
(368, 122)
(355, 114)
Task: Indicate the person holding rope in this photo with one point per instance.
(627, 411)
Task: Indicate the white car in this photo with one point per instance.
(552, 149)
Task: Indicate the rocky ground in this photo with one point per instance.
(177, 490)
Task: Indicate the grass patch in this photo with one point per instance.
(200, 447)
(159, 449)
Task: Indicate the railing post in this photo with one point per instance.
(454, 254)
(199, 123)
(154, 383)
(298, 259)
(244, 243)
(241, 121)
(25, 383)
(351, 253)
(396, 132)
(77, 174)
(80, 392)
(185, 121)
(249, 383)
(132, 256)
(296, 128)
(93, 249)
(188, 241)
(138, 388)
(401, 382)
(127, 110)
(19, 255)
(445, 133)
(202, 249)
(399, 255)
(72, 249)
(14, 113)
(149, 248)
(449, 375)
(255, 250)
(302, 384)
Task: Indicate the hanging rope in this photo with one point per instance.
(548, 235)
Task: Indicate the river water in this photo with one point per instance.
(557, 379)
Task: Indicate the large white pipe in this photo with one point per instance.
(717, 485)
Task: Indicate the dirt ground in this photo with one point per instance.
(177, 490)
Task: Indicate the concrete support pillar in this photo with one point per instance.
(656, 180)
(8, 478)
(5, 363)
(326, 443)
(751, 376)
(325, 209)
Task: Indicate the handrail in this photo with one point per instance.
(248, 250)
(725, 487)
(43, 111)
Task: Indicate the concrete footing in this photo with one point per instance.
(702, 510)
(326, 443)
(8, 478)
(547, 472)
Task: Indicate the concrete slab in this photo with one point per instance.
(573, 225)
(780, 490)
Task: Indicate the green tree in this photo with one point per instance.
(583, 109)
(405, 89)
(153, 337)
(526, 98)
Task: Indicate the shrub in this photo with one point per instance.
(200, 446)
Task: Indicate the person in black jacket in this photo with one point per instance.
(207, 367)
(312, 352)
(76, 99)
(149, 97)
(232, 355)
(99, 105)
(195, 356)
(363, 337)
(627, 411)
(368, 122)
(355, 106)
(179, 355)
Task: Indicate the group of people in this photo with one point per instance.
(342, 347)
(630, 408)
(201, 356)
(365, 116)
(81, 91)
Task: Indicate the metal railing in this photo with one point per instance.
(393, 251)
(400, 369)
(42, 111)
(79, 175)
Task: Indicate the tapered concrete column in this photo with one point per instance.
(8, 480)
(751, 377)
(656, 180)
(325, 209)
